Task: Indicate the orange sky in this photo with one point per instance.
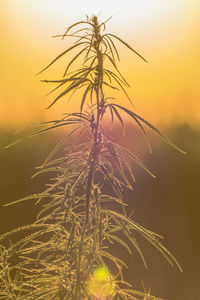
(167, 33)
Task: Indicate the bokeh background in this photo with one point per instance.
(165, 91)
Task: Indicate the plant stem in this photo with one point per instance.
(95, 146)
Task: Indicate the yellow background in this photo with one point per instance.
(164, 91)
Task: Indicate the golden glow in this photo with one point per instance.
(101, 285)
(166, 32)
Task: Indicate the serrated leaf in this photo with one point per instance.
(124, 43)
(109, 85)
(114, 47)
(111, 112)
(53, 169)
(134, 157)
(69, 89)
(131, 238)
(118, 115)
(52, 127)
(31, 197)
(74, 59)
(139, 124)
(120, 241)
(53, 152)
(73, 25)
(117, 79)
(164, 137)
(84, 96)
(59, 56)
(114, 64)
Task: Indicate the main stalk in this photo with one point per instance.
(93, 156)
(96, 136)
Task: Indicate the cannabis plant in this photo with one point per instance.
(66, 253)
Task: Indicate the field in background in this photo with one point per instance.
(168, 205)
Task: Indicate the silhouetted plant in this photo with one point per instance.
(65, 253)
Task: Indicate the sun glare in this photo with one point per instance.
(165, 32)
(148, 12)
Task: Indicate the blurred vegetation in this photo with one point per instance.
(168, 205)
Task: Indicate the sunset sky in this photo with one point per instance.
(166, 32)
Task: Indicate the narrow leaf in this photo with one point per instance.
(139, 124)
(118, 115)
(134, 157)
(59, 56)
(84, 96)
(114, 47)
(31, 197)
(70, 88)
(73, 60)
(73, 25)
(164, 137)
(129, 47)
(53, 152)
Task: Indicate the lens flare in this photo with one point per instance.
(101, 284)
